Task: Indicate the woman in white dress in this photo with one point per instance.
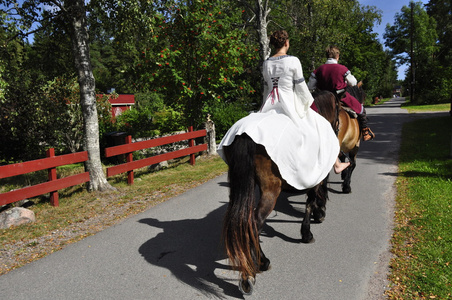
(300, 142)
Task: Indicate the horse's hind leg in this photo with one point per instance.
(266, 204)
(315, 204)
(346, 175)
(306, 234)
(270, 184)
(321, 196)
(264, 208)
(270, 187)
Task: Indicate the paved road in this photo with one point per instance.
(172, 251)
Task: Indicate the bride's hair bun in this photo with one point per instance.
(278, 38)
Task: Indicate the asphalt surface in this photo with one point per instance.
(173, 250)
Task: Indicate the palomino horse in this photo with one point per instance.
(349, 133)
(250, 165)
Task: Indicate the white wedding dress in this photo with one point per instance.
(300, 141)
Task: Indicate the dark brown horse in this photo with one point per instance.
(250, 165)
(349, 133)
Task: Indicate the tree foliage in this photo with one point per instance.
(315, 24)
(197, 58)
(416, 28)
(182, 59)
(441, 11)
(413, 39)
(70, 16)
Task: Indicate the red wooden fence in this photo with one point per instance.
(53, 185)
(128, 148)
(51, 162)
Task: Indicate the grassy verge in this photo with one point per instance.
(422, 263)
(81, 214)
(427, 108)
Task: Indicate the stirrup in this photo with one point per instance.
(368, 134)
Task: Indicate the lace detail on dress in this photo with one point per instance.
(274, 92)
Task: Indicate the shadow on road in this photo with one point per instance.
(292, 208)
(190, 249)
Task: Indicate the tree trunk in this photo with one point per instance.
(210, 137)
(261, 12)
(80, 48)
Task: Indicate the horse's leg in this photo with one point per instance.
(350, 141)
(306, 234)
(319, 211)
(315, 204)
(270, 183)
(346, 175)
(266, 205)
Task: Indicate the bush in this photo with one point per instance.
(224, 115)
(45, 115)
(149, 118)
(39, 115)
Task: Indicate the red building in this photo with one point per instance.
(122, 103)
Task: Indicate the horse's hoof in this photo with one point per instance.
(319, 215)
(265, 266)
(346, 190)
(247, 286)
(319, 220)
(308, 240)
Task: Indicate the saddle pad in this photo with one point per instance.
(350, 112)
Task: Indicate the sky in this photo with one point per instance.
(389, 9)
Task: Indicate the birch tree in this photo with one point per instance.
(35, 15)
(260, 10)
(76, 13)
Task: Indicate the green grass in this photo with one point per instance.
(427, 108)
(422, 265)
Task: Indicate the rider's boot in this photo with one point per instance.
(366, 132)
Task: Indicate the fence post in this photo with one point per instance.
(210, 137)
(191, 143)
(129, 158)
(52, 176)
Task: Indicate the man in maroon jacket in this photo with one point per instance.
(334, 77)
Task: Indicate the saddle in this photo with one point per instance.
(350, 112)
(341, 94)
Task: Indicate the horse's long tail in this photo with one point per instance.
(239, 226)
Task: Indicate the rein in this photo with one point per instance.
(336, 121)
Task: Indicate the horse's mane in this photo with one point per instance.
(357, 92)
(325, 102)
